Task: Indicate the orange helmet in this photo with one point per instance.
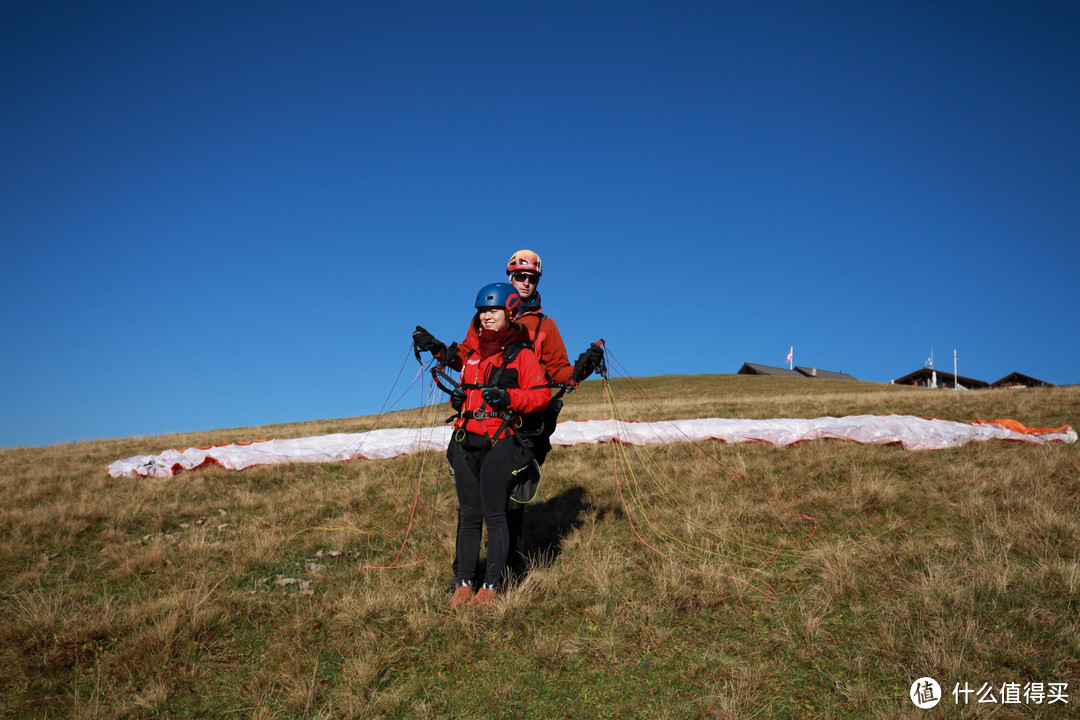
(524, 261)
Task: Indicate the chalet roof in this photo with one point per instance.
(943, 377)
(799, 372)
(755, 369)
(1017, 379)
(817, 372)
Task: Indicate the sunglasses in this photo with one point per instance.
(522, 277)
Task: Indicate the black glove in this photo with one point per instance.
(587, 362)
(426, 342)
(457, 399)
(498, 398)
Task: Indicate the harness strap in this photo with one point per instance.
(484, 414)
(508, 419)
(509, 354)
(438, 372)
(505, 424)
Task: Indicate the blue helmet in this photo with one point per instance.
(499, 295)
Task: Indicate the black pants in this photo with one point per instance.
(539, 445)
(482, 477)
(515, 558)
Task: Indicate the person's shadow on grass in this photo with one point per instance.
(546, 525)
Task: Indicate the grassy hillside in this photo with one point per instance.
(254, 594)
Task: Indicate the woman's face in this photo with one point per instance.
(493, 318)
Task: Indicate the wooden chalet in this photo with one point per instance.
(1015, 381)
(923, 377)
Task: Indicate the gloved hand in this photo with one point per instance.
(497, 398)
(587, 362)
(426, 342)
(457, 399)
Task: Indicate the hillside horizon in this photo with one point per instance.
(692, 580)
(586, 404)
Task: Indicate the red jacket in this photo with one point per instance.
(548, 346)
(530, 394)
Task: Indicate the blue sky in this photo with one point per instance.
(223, 214)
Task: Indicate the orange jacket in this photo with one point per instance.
(528, 395)
(547, 341)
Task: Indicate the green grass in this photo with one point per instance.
(245, 594)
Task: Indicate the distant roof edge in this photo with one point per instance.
(819, 373)
(1020, 380)
(925, 375)
(756, 369)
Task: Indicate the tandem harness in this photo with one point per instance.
(443, 380)
(516, 420)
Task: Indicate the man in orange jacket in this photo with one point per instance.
(525, 270)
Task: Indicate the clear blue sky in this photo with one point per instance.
(222, 214)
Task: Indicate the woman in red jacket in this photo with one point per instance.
(501, 380)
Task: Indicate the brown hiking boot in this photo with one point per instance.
(487, 596)
(462, 595)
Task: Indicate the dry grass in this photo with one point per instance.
(245, 595)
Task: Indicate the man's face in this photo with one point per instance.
(524, 283)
